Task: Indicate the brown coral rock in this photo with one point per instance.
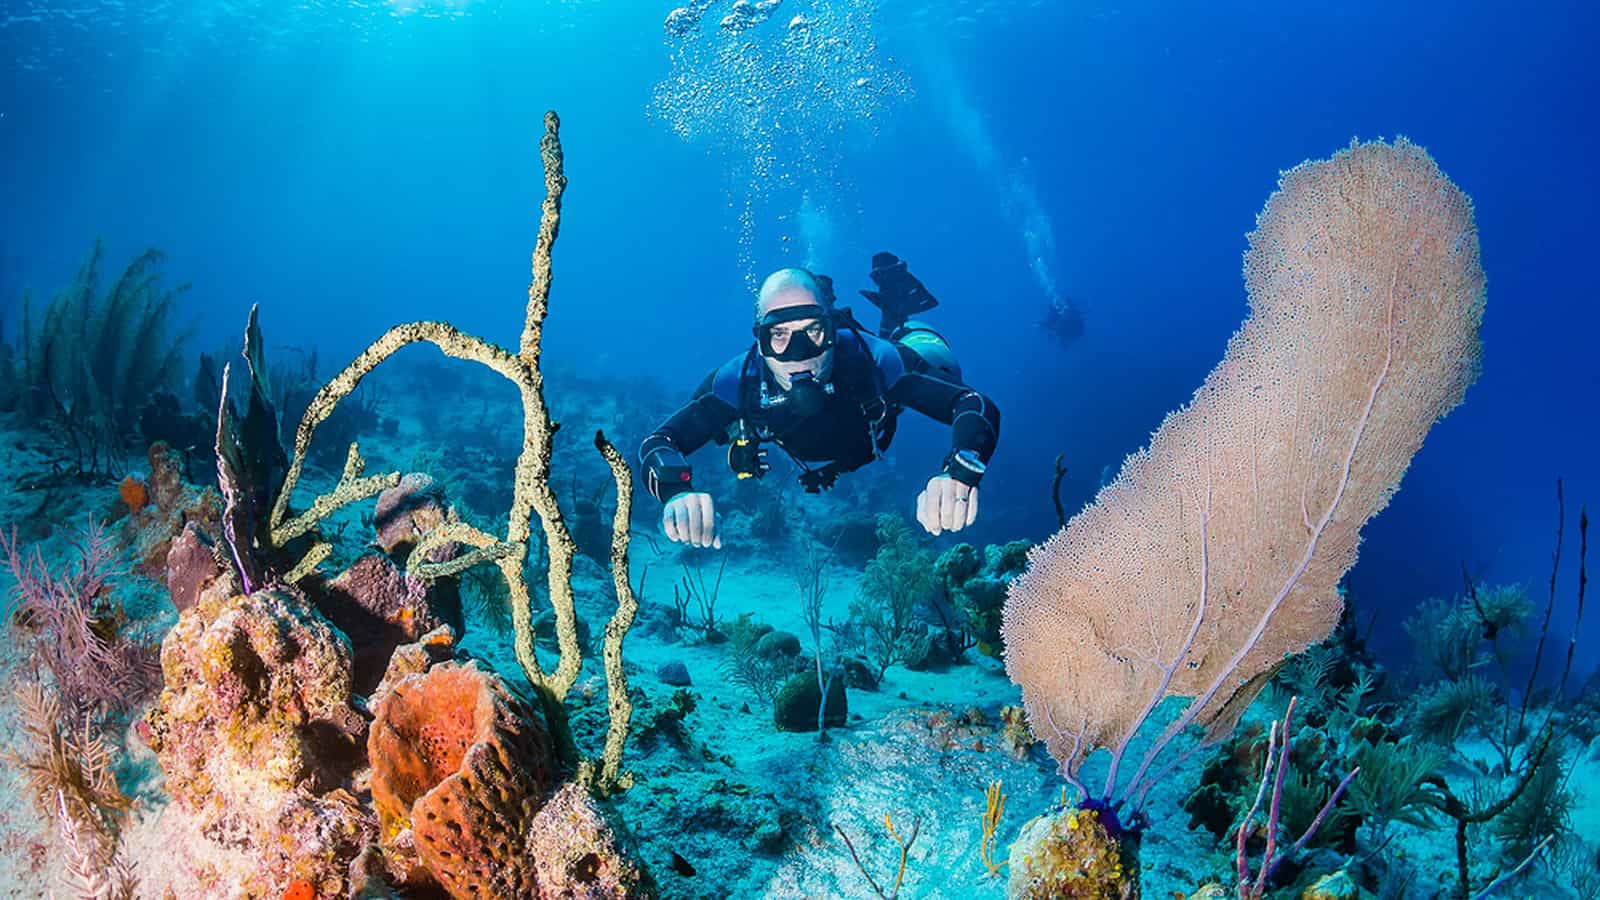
(172, 505)
(255, 732)
(379, 608)
(166, 486)
(460, 766)
(407, 511)
(1015, 734)
(318, 837)
(191, 566)
(1072, 854)
(576, 851)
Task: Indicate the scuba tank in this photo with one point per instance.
(930, 346)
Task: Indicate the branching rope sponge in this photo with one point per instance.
(531, 491)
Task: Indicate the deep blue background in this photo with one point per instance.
(350, 169)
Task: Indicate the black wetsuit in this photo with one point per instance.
(873, 380)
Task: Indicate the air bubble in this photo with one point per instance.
(776, 100)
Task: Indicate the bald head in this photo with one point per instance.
(788, 287)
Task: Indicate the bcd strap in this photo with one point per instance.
(855, 372)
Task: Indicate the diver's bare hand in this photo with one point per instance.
(691, 519)
(946, 505)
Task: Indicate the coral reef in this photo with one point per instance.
(1274, 771)
(1436, 749)
(995, 807)
(69, 773)
(975, 584)
(577, 850)
(896, 582)
(669, 720)
(192, 566)
(250, 472)
(1332, 886)
(1337, 731)
(1015, 733)
(435, 647)
(170, 506)
(407, 511)
(532, 493)
(462, 772)
(1524, 801)
(795, 705)
(760, 674)
(260, 729)
(164, 420)
(378, 607)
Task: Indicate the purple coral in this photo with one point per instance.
(74, 625)
(1278, 742)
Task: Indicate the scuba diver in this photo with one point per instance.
(1063, 321)
(819, 387)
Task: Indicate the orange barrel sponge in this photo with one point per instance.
(463, 766)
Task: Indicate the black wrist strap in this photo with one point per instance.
(961, 470)
(666, 482)
(666, 472)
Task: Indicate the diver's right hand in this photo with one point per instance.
(691, 519)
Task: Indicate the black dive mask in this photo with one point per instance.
(799, 345)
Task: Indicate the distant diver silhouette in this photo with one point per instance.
(1063, 320)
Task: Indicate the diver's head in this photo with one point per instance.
(794, 326)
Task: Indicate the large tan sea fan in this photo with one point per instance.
(1217, 551)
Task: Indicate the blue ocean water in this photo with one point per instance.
(349, 165)
(352, 165)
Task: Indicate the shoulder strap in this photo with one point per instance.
(728, 383)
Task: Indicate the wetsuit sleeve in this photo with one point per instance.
(663, 455)
(973, 418)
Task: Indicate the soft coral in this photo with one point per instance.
(76, 628)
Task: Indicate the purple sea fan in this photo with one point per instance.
(73, 627)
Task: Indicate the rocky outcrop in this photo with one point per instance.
(256, 733)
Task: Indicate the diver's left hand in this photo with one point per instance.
(946, 505)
